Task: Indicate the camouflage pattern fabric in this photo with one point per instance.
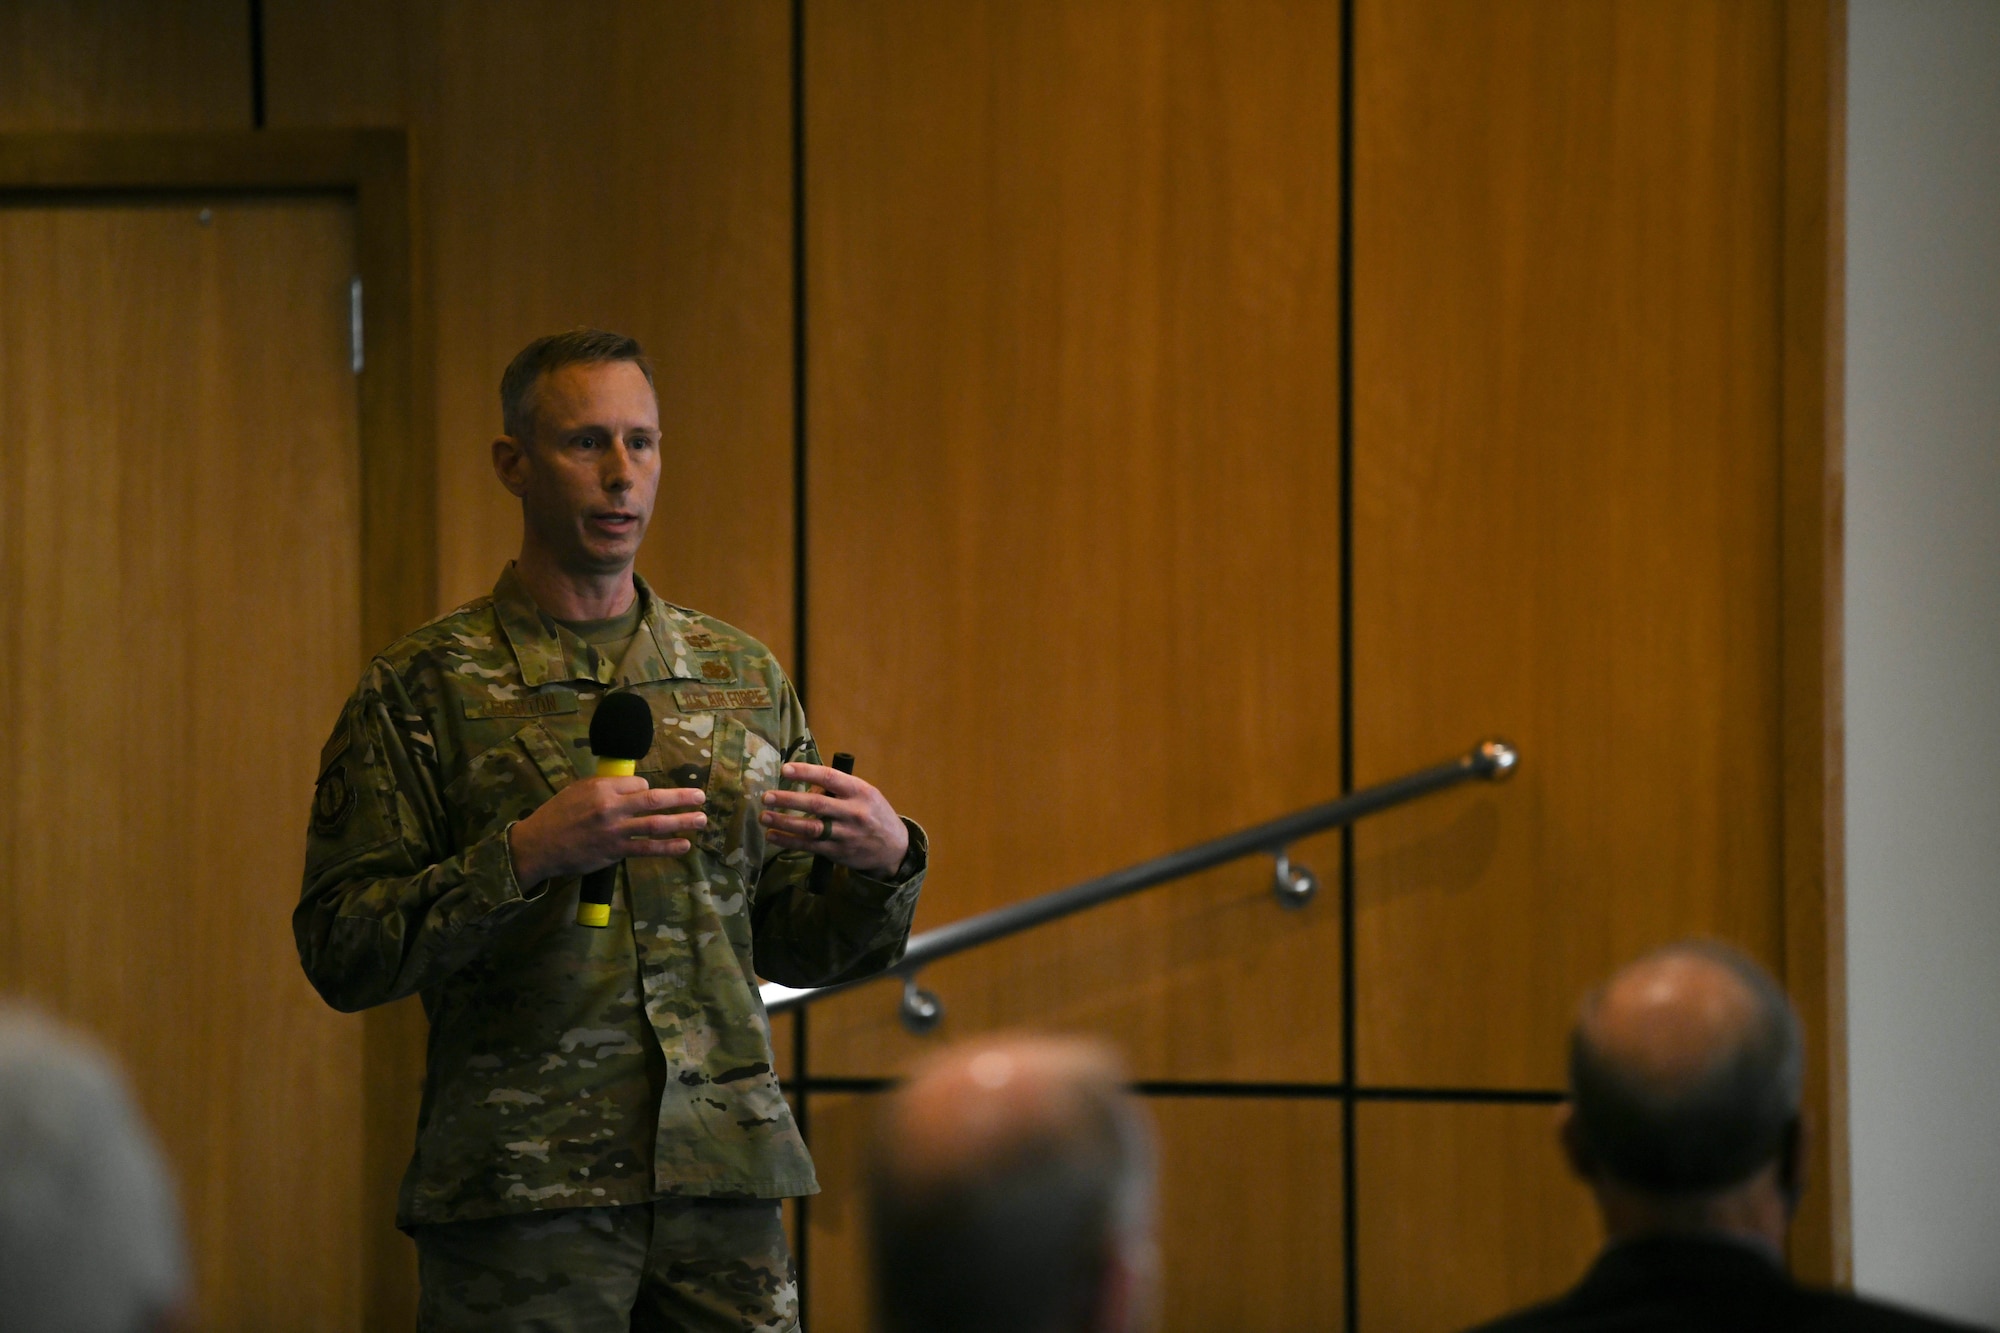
(701, 1265)
(571, 1066)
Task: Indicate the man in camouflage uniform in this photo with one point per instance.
(602, 1141)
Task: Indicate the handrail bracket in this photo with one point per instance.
(920, 1010)
(1292, 885)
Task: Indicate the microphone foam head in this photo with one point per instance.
(622, 727)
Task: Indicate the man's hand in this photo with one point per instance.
(847, 821)
(597, 821)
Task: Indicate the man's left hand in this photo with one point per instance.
(847, 821)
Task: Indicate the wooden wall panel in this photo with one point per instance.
(838, 1286)
(1466, 1212)
(1250, 1213)
(625, 165)
(1566, 484)
(124, 65)
(1074, 492)
(1250, 1207)
(179, 503)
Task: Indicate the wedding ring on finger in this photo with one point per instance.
(826, 828)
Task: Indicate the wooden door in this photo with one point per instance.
(179, 621)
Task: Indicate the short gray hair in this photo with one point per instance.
(1708, 1132)
(551, 352)
(90, 1234)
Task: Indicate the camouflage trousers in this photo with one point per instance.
(702, 1265)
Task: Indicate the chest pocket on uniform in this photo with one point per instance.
(743, 766)
(547, 751)
(683, 755)
(498, 785)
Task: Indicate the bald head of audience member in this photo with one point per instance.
(1012, 1192)
(90, 1238)
(1685, 1073)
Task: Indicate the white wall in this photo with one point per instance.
(1923, 649)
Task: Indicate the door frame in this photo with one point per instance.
(370, 168)
(1812, 737)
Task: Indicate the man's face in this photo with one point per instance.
(588, 478)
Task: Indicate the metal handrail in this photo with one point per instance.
(1294, 885)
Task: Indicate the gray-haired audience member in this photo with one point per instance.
(1012, 1192)
(1686, 1070)
(90, 1238)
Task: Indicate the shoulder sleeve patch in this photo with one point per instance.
(333, 800)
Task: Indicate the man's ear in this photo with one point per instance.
(1127, 1288)
(510, 464)
(1570, 1136)
(1114, 1298)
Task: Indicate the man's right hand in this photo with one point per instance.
(595, 822)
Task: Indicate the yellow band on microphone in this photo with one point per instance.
(599, 914)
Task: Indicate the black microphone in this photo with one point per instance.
(822, 871)
(621, 731)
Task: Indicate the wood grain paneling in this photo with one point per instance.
(1466, 1211)
(1073, 486)
(1250, 1213)
(1566, 473)
(625, 165)
(179, 498)
(124, 65)
(838, 1284)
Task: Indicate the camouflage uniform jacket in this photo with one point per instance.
(571, 1066)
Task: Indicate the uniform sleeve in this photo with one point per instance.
(388, 907)
(857, 927)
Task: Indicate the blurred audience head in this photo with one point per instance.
(1012, 1192)
(90, 1238)
(1686, 1070)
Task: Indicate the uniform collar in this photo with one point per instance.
(547, 652)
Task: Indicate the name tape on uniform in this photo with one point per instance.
(534, 705)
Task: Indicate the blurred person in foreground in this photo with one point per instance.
(90, 1233)
(1012, 1192)
(1686, 1071)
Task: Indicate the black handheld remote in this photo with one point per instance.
(822, 871)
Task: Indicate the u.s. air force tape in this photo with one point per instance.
(716, 701)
